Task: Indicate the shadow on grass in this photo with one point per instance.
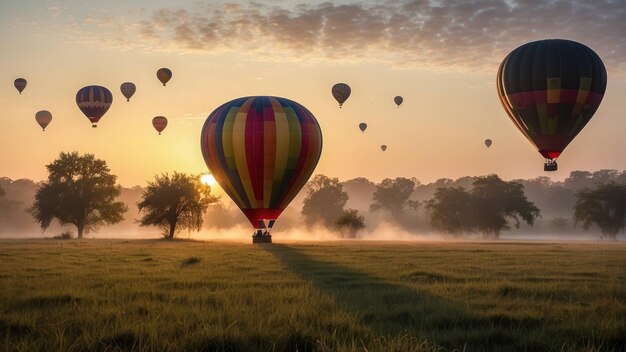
(396, 310)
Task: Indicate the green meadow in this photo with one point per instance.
(154, 295)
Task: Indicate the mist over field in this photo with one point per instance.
(223, 221)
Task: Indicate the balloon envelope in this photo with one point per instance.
(488, 142)
(164, 75)
(159, 123)
(43, 118)
(383, 147)
(550, 89)
(398, 100)
(94, 102)
(362, 126)
(20, 84)
(341, 92)
(261, 150)
(128, 89)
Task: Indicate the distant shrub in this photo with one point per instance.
(67, 235)
(191, 261)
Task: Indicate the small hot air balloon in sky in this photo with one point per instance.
(383, 147)
(94, 101)
(362, 126)
(164, 75)
(43, 118)
(550, 89)
(488, 142)
(398, 100)
(128, 89)
(261, 150)
(341, 92)
(20, 84)
(159, 123)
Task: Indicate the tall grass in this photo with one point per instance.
(104, 295)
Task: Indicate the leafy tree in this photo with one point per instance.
(494, 202)
(604, 206)
(80, 190)
(175, 203)
(324, 202)
(393, 196)
(350, 223)
(450, 210)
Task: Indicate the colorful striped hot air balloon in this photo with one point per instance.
(164, 75)
(261, 150)
(94, 102)
(159, 123)
(20, 84)
(341, 93)
(550, 89)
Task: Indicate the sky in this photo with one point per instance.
(441, 56)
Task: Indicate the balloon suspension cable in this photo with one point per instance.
(550, 165)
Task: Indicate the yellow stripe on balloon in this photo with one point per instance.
(282, 142)
(239, 151)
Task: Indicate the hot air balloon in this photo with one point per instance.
(43, 118)
(20, 84)
(398, 100)
(550, 89)
(164, 75)
(159, 123)
(488, 142)
(128, 89)
(341, 92)
(383, 147)
(261, 150)
(94, 101)
(362, 126)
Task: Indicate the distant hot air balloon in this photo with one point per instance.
(261, 150)
(20, 84)
(164, 75)
(550, 89)
(488, 142)
(94, 101)
(43, 118)
(128, 89)
(362, 126)
(341, 92)
(383, 147)
(159, 123)
(398, 100)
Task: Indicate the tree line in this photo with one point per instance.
(81, 191)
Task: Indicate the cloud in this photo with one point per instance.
(463, 35)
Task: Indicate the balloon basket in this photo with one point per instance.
(550, 165)
(261, 239)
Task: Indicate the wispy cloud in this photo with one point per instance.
(453, 34)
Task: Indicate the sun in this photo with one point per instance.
(207, 179)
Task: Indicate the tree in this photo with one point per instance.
(350, 223)
(324, 202)
(175, 203)
(604, 206)
(81, 191)
(494, 202)
(450, 210)
(393, 196)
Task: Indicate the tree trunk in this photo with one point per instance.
(170, 236)
(81, 229)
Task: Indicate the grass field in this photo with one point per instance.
(151, 295)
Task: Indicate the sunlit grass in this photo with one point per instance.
(346, 296)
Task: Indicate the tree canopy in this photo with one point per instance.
(350, 223)
(325, 201)
(487, 208)
(175, 202)
(80, 190)
(604, 206)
